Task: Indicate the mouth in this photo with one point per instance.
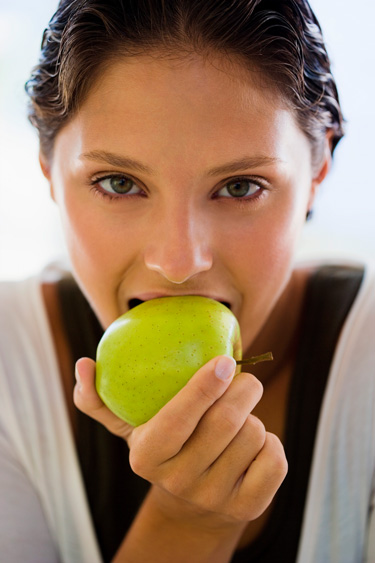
(134, 302)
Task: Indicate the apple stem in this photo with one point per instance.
(256, 359)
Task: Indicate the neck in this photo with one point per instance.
(281, 330)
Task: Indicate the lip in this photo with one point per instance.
(134, 300)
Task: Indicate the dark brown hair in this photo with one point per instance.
(280, 38)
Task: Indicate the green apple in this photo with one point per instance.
(148, 354)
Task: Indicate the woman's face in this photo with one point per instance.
(182, 177)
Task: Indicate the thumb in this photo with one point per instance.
(87, 400)
(184, 411)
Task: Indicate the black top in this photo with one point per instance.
(115, 493)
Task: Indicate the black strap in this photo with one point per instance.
(115, 493)
(329, 296)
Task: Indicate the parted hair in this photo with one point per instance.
(281, 39)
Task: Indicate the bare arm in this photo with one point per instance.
(159, 537)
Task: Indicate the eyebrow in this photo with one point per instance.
(244, 163)
(120, 161)
(116, 160)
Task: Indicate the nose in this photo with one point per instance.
(179, 247)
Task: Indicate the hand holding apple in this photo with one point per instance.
(202, 450)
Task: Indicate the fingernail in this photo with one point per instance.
(225, 367)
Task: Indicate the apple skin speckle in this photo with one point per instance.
(148, 354)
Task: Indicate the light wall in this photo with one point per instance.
(344, 220)
(344, 215)
(30, 232)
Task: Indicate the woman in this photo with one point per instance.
(184, 143)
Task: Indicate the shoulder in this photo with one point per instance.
(366, 296)
(20, 306)
(354, 280)
(358, 331)
(22, 322)
(27, 357)
(29, 376)
(348, 405)
(348, 290)
(354, 359)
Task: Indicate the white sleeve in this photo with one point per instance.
(339, 518)
(24, 534)
(44, 512)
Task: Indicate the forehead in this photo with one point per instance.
(215, 102)
(167, 82)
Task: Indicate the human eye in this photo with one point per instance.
(240, 188)
(115, 185)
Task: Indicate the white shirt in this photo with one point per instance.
(44, 514)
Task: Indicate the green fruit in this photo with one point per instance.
(148, 354)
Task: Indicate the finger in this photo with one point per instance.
(178, 419)
(222, 422)
(235, 460)
(88, 401)
(262, 480)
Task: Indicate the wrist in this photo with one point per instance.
(189, 516)
(167, 530)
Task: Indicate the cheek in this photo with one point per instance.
(263, 275)
(265, 241)
(99, 251)
(85, 237)
(261, 255)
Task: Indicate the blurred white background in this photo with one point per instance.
(344, 216)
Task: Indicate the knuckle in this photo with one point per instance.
(78, 400)
(173, 424)
(139, 455)
(226, 417)
(207, 393)
(256, 430)
(253, 384)
(245, 507)
(208, 499)
(277, 458)
(241, 512)
(176, 484)
(136, 461)
(246, 511)
(250, 382)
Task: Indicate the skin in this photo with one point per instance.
(179, 231)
